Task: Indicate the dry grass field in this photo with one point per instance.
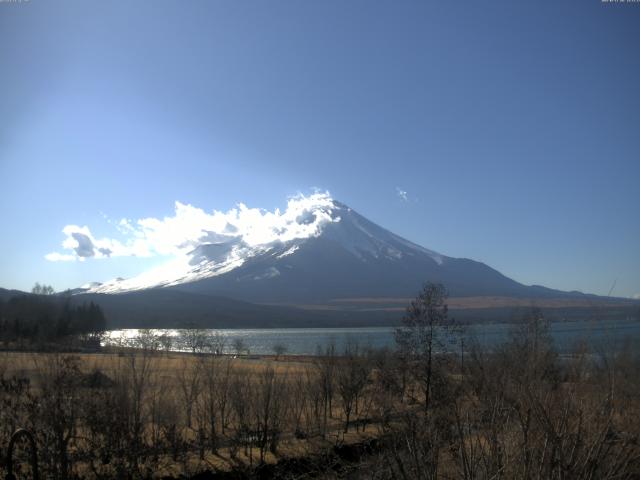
(520, 411)
(172, 391)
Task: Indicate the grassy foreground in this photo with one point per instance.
(144, 413)
(520, 411)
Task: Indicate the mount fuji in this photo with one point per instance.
(343, 255)
(326, 259)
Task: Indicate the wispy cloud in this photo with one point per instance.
(402, 194)
(190, 227)
(59, 257)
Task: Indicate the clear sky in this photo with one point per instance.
(503, 131)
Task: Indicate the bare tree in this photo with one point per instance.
(422, 334)
(216, 343)
(42, 289)
(269, 409)
(352, 375)
(239, 345)
(298, 403)
(325, 364)
(194, 339)
(279, 349)
(241, 396)
(190, 384)
(147, 339)
(165, 340)
(211, 367)
(222, 391)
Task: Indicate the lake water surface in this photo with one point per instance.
(609, 335)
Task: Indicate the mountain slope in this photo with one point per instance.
(353, 257)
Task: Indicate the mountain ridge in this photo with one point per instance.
(162, 308)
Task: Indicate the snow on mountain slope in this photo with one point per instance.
(362, 237)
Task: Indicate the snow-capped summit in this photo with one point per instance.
(364, 238)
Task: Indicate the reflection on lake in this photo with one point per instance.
(610, 335)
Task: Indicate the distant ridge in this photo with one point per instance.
(168, 308)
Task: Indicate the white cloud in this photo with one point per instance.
(636, 296)
(189, 227)
(402, 194)
(81, 242)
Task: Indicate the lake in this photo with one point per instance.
(609, 335)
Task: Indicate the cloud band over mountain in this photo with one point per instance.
(190, 227)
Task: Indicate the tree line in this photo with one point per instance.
(44, 317)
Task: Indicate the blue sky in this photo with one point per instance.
(513, 127)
